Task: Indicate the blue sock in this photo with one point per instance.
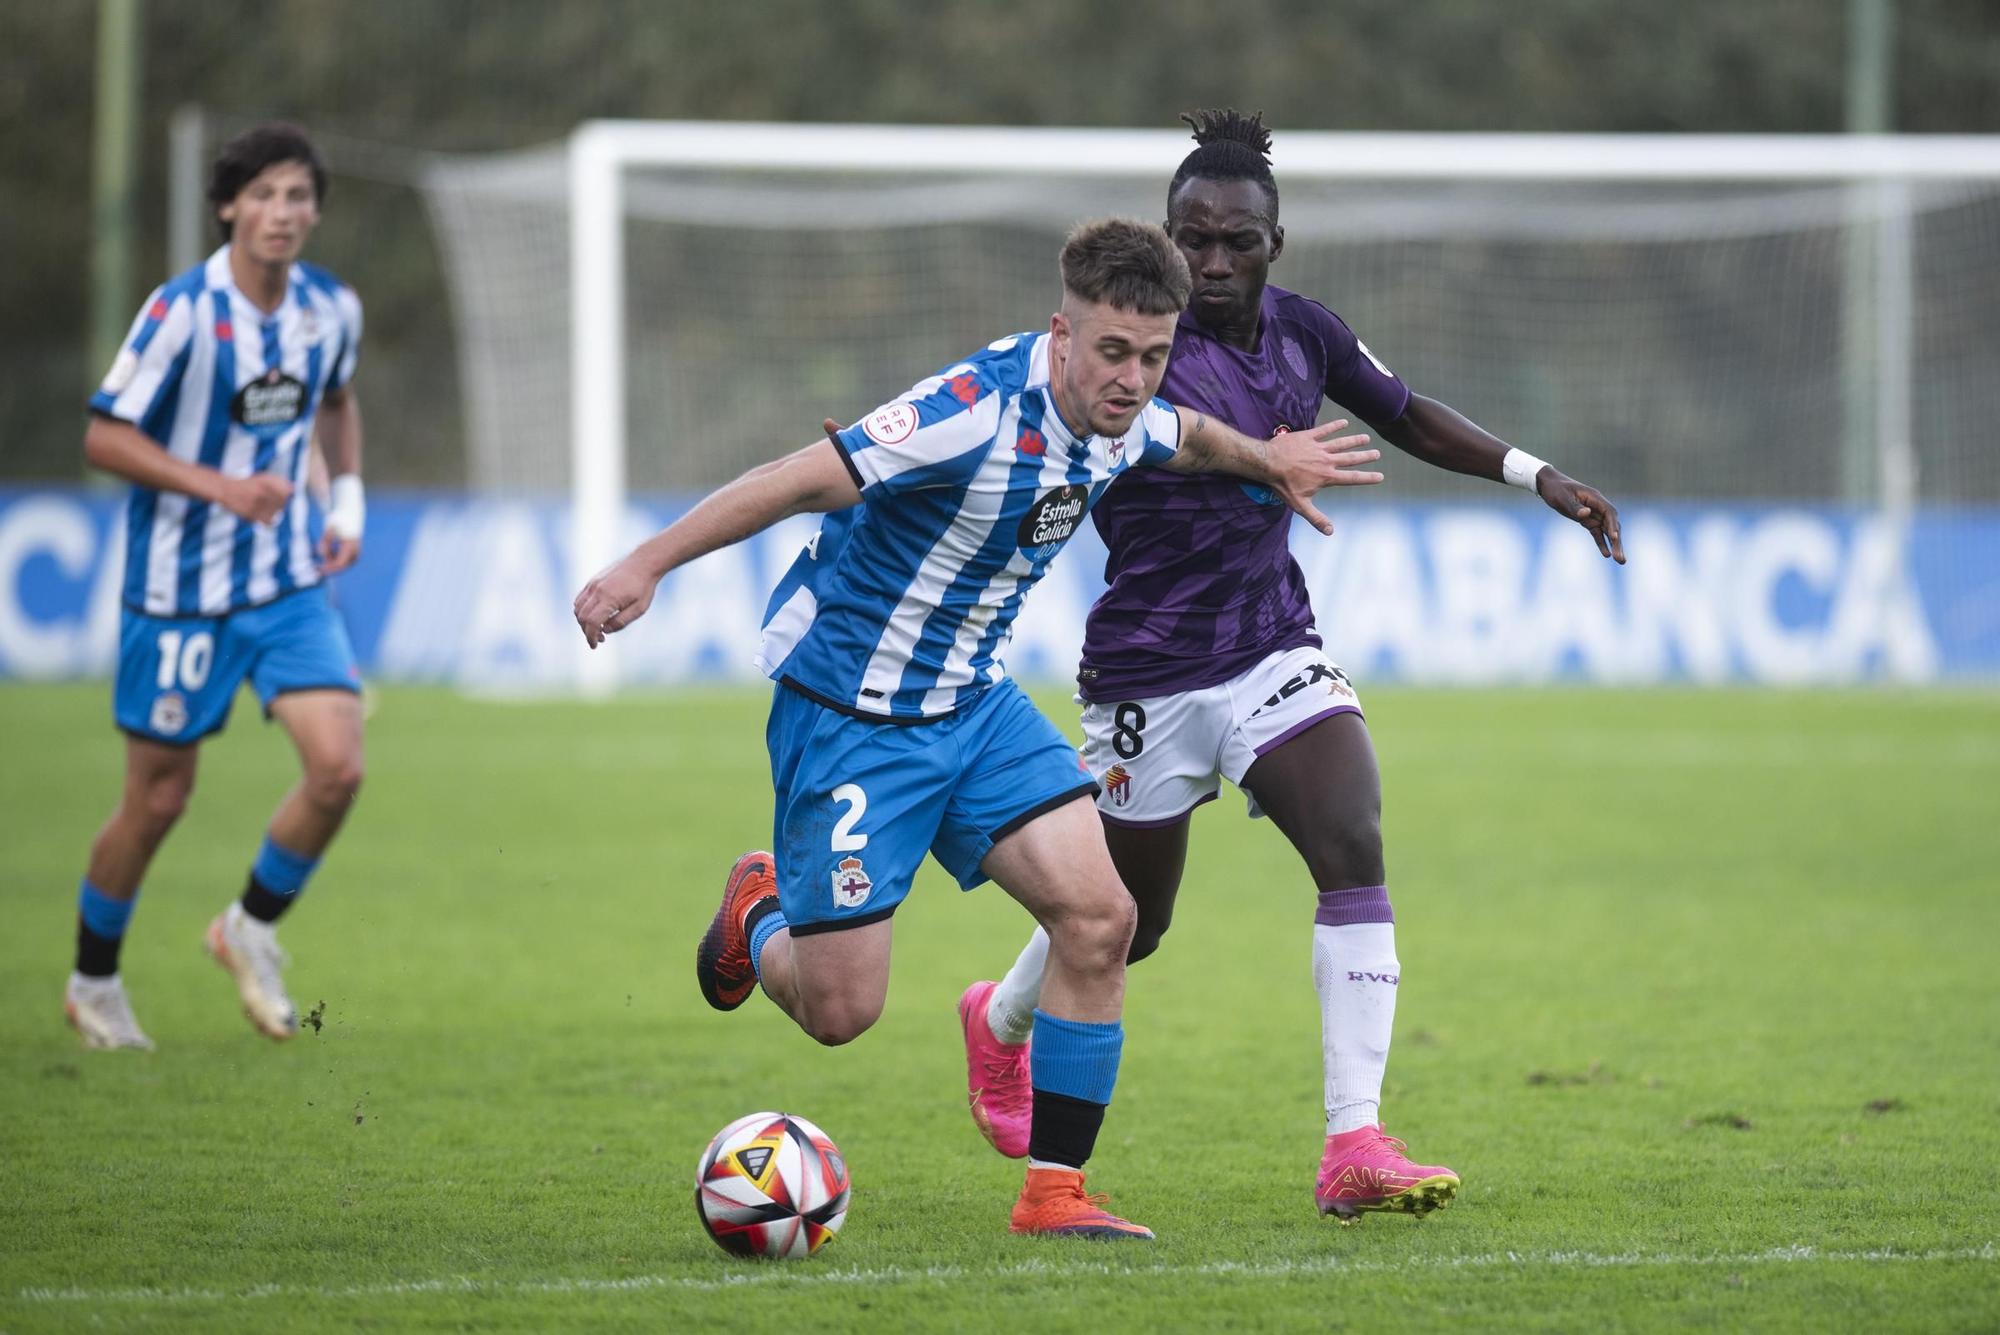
(276, 878)
(1073, 1066)
(1076, 1058)
(101, 913)
(760, 933)
(100, 930)
(280, 870)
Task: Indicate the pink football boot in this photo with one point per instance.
(997, 1081)
(1367, 1170)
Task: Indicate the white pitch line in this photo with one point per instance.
(817, 1276)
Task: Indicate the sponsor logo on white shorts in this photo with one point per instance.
(851, 886)
(1315, 674)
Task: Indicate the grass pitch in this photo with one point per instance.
(1699, 998)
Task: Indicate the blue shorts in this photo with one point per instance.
(859, 803)
(177, 676)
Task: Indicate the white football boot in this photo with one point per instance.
(249, 950)
(98, 1010)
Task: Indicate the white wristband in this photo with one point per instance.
(349, 510)
(1518, 469)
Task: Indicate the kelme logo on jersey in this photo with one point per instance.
(851, 886)
(272, 399)
(1051, 519)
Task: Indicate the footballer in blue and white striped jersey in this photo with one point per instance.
(210, 412)
(214, 380)
(894, 733)
(902, 611)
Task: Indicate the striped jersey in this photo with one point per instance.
(216, 381)
(900, 607)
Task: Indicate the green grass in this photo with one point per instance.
(1662, 955)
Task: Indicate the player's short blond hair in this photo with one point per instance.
(1128, 264)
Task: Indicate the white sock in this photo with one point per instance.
(1355, 973)
(242, 921)
(1011, 1011)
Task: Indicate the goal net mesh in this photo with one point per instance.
(1662, 340)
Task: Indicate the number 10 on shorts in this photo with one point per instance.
(185, 659)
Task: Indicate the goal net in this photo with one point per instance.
(1684, 318)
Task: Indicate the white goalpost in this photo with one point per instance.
(1507, 190)
(650, 308)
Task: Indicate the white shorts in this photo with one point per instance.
(1156, 760)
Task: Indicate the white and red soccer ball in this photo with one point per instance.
(771, 1184)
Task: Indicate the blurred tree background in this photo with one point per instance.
(491, 74)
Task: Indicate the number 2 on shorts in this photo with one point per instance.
(845, 840)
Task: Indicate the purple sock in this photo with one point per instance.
(1344, 908)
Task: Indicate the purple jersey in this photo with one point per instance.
(1202, 581)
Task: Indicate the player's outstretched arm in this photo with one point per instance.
(121, 449)
(811, 479)
(1433, 432)
(1295, 465)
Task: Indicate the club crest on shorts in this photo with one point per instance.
(1118, 785)
(851, 886)
(170, 713)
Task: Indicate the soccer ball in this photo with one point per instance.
(771, 1184)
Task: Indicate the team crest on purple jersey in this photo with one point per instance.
(1295, 357)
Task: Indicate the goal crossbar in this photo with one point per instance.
(600, 152)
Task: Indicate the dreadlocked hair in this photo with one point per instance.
(1230, 146)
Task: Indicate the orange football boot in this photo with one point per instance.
(1053, 1204)
(722, 961)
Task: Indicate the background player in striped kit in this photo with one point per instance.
(894, 728)
(1201, 662)
(209, 412)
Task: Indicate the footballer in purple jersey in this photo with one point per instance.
(1201, 662)
(1202, 580)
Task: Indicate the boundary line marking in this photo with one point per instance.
(818, 1276)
